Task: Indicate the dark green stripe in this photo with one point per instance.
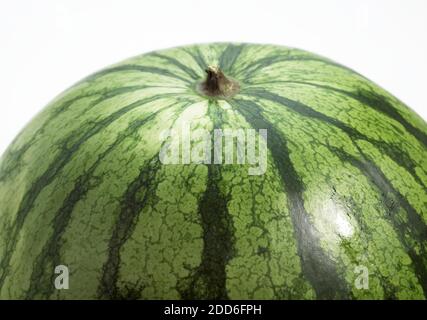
(190, 72)
(13, 160)
(374, 101)
(41, 283)
(392, 200)
(382, 105)
(262, 63)
(131, 206)
(105, 94)
(139, 192)
(229, 57)
(197, 57)
(354, 135)
(208, 281)
(317, 266)
(49, 175)
(137, 68)
(394, 152)
(271, 60)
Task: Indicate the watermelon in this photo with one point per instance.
(125, 187)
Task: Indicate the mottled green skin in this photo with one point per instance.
(345, 186)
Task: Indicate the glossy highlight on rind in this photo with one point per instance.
(345, 186)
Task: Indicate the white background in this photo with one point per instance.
(47, 45)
